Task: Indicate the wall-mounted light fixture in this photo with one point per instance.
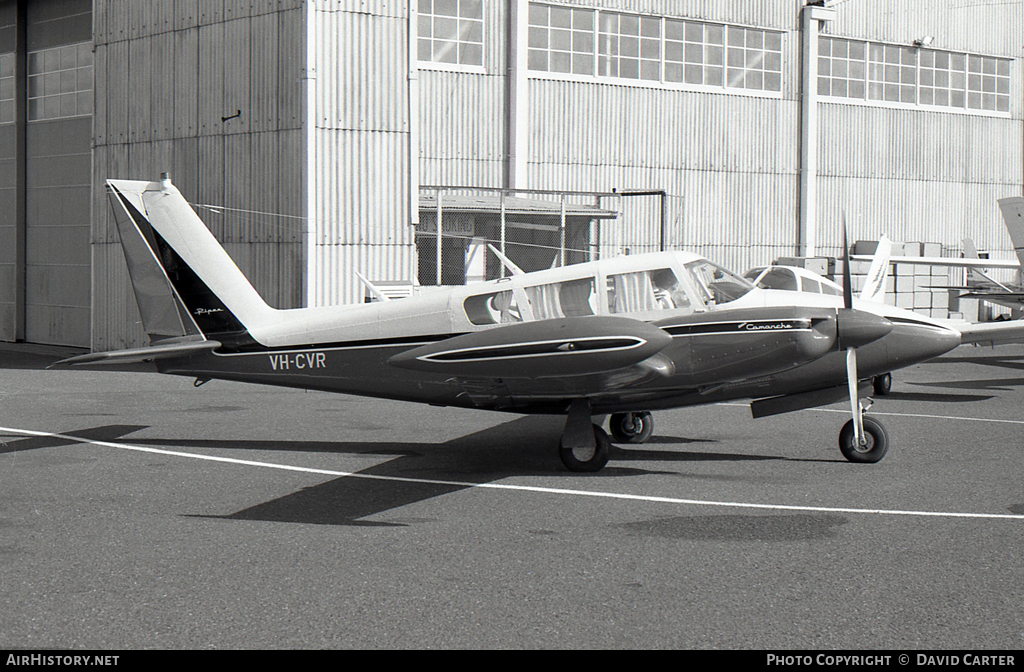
(924, 41)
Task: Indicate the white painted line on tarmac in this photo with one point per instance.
(901, 415)
(926, 415)
(519, 488)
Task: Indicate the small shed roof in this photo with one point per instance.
(514, 205)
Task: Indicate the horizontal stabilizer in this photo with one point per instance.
(136, 355)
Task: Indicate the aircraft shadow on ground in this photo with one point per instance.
(1000, 361)
(997, 384)
(525, 446)
(102, 433)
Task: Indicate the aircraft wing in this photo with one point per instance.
(1008, 331)
(136, 355)
(945, 261)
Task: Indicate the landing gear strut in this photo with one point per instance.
(584, 445)
(631, 427)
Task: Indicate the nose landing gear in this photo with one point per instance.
(873, 445)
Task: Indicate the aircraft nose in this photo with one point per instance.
(855, 328)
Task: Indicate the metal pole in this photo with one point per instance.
(561, 230)
(664, 213)
(503, 233)
(438, 238)
(20, 171)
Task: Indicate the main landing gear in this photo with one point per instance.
(585, 446)
(631, 427)
(882, 384)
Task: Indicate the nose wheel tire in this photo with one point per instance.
(587, 459)
(876, 442)
(631, 427)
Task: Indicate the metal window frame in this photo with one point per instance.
(662, 82)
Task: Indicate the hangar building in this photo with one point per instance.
(404, 139)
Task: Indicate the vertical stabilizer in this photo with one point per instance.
(185, 283)
(976, 278)
(878, 272)
(1013, 214)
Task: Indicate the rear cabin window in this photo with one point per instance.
(646, 291)
(778, 278)
(573, 298)
(496, 308)
(810, 285)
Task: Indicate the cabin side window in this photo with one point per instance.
(810, 285)
(778, 278)
(572, 298)
(645, 291)
(494, 308)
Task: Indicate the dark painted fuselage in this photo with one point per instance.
(710, 357)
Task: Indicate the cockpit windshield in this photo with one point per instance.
(717, 284)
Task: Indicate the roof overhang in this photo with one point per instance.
(513, 205)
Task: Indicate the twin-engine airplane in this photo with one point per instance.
(621, 336)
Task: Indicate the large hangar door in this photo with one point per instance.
(57, 262)
(58, 172)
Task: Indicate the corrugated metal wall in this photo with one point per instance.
(211, 91)
(361, 219)
(730, 162)
(464, 132)
(921, 175)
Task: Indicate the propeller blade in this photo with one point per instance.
(852, 379)
(847, 282)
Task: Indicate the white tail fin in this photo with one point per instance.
(184, 281)
(1013, 215)
(976, 277)
(874, 284)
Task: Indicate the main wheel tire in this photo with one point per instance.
(882, 384)
(874, 434)
(587, 460)
(631, 427)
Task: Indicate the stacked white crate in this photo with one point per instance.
(918, 287)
